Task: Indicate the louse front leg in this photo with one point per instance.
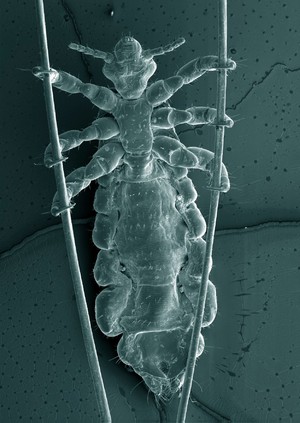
(101, 97)
(101, 129)
(174, 153)
(197, 67)
(161, 91)
(168, 117)
(106, 159)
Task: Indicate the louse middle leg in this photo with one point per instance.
(101, 129)
(169, 117)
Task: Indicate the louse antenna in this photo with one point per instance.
(109, 57)
(98, 54)
(148, 54)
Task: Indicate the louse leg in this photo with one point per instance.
(168, 117)
(161, 91)
(102, 97)
(206, 162)
(116, 297)
(197, 67)
(106, 159)
(173, 152)
(168, 149)
(101, 129)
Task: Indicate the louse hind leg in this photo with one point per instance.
(112, 302)
(175, 154)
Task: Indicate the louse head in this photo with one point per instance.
(130, 70)
(127, 49)
(129, 67)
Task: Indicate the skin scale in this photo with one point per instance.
(148, 227)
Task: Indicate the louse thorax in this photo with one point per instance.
(134, 121)
(129, 70)
(138, 166)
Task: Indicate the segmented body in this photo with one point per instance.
(150, 233)
(148, 227)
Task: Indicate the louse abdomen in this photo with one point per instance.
(159, 358)
(153, 273)
(151, 238)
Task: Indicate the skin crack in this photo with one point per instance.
(193, 129)
(218, 416)
(221, 232)
(123, 393)
(161, 410)
(79, 36)
(256, 83)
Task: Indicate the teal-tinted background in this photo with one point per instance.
(249, 371)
